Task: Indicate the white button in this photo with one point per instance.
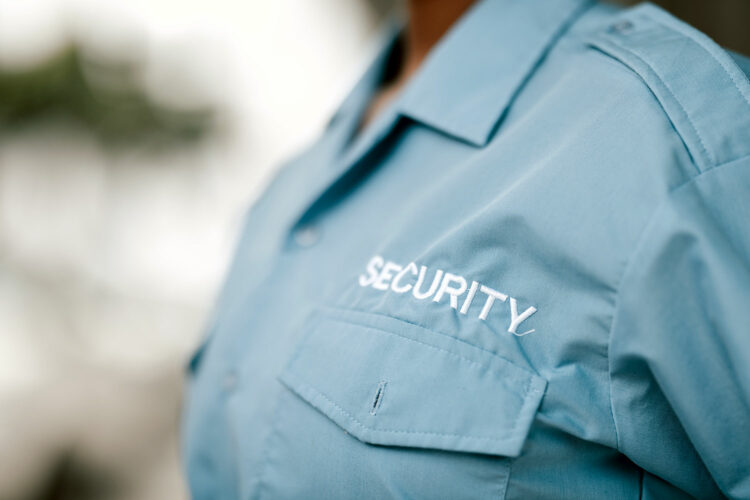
(306, 236)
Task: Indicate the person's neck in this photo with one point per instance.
(428, 22)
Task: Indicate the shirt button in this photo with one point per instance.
(621, 27)
(306, 236)
(230, 381)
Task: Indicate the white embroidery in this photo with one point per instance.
(410, 267)
(469, 297)
(491, 296)
(435, 282)
(516, 320)
(373, 269)
(384, 275)
(454, 292)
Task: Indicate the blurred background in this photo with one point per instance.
(133, 135)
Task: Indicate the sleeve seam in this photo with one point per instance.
(629, 262)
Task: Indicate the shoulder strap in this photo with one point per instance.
(700, 87)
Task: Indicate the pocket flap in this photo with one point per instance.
(389, 382)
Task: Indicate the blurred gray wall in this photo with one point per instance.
(109, 264)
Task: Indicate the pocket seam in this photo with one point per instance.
(525, 378)
(469, 361)
(335, 312)
(312, 393)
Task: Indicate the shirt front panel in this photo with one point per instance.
(513, 249)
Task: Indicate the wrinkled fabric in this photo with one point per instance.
(529, 277)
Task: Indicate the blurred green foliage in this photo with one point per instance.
(103, 97)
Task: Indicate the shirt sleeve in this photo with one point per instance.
(680, 339)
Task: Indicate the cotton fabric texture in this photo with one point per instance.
(529, 277)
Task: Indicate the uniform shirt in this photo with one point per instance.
(529, 277)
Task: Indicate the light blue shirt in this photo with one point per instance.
(529, 277)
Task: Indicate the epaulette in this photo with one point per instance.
(704, 93)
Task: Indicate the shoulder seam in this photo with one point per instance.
(709, 154)
(709, 50)
(696, 83)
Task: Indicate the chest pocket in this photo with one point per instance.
(444, 416)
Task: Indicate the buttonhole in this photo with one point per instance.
(378, 398)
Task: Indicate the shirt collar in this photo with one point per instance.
(342, 126)
(468, 80)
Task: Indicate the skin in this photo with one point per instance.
(428, 20)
